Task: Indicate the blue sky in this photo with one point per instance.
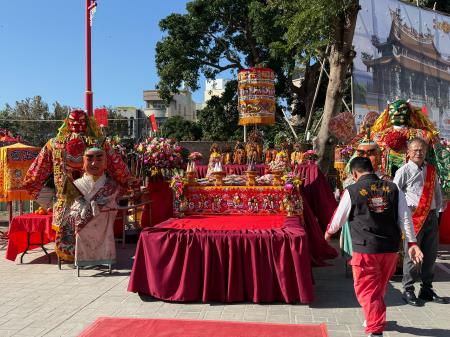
(43, 50)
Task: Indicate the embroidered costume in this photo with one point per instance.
(62, 156)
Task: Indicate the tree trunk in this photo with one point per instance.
(340, 58)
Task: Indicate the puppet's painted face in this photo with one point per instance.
(399, 112)
(370, 151)
(94, 162)
(77, 121)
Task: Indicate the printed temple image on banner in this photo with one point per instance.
(403, 51)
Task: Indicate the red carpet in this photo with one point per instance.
(140, 327)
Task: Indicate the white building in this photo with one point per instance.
(214, 88)
(138, 124)
(181, 105)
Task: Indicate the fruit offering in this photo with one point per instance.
(41, 211)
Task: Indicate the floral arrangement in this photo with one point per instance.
(445, 143)
(177, 184)
(396, 140)
(193, 156)
(291, 181)
(277, 165)
(116, 144)
(161, 156)
(346, 152)
(310, 155)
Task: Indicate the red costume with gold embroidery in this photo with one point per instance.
(63, 156)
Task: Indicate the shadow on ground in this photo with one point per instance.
(413, 331)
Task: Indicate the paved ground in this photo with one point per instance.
(37, 299)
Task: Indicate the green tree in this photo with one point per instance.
(441, 5)
(219, 118)
(31, 120)
(180, 129)
(330, 23)
(216, 36)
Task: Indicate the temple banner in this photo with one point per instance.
(256, 96)
(402, 51)
(14, 163)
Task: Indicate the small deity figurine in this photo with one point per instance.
(214, 158)
(227, 155)
(269, 154)
(252, 153)
(297, 155)
(239, 155)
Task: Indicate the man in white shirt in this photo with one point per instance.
(420, 184)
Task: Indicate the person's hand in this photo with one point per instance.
(415, 254)
(327, 236)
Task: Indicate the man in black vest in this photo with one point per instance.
(378, 214)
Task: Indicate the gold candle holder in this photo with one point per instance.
(276, 178)
(191, 178)
(218, 176)
(251, 177)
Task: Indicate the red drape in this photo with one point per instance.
(160, 193)
(260, 265)
(444, 227)
(318, 193)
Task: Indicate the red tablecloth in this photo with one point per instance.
(28, 223)
(231, 169)
(194, 264)
(160, 194)
(318, 193)
(444, 226)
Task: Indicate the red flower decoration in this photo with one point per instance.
(396, 140)
(75, 147)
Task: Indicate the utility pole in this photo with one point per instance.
(90, 9)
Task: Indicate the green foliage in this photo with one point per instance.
(219, 118)
(441, 5)
(180, 129)
(32, 121)
(221, 35)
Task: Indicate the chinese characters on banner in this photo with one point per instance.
(256, 96)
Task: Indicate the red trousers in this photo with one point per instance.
(371, 274)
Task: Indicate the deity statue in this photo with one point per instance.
(227, 155)
(93, 212)
(239, 155)
(62, 156)
(269, 154)
(297, 154)
(399, 123)
(252, 153)
(254, 147)
(215, 157)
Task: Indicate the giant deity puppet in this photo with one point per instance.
(401, 122)
(62, 156)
